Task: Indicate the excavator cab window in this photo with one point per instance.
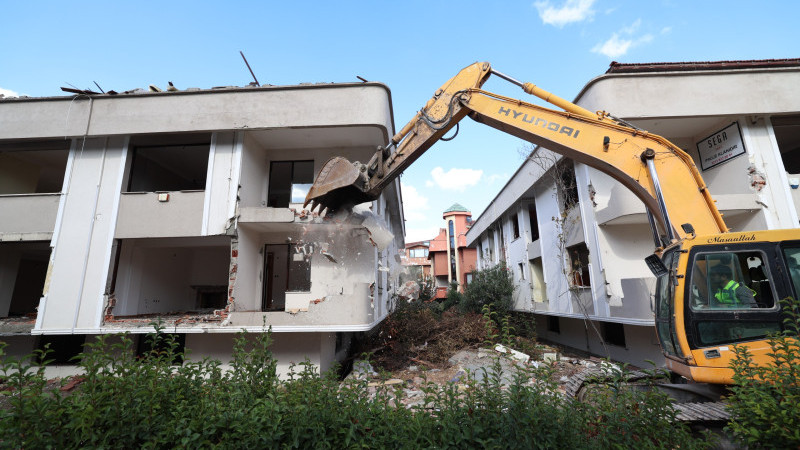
(664, 304)
(731, 297)
(731, 280)
(792, 256)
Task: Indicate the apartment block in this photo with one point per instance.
(576, 239)
(118, 211)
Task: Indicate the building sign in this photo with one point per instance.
(721, 146)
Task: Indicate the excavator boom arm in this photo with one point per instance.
(633, 157)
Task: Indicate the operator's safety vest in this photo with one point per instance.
(728, 293)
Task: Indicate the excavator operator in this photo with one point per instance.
(729, 293)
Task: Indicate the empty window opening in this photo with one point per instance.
(490, 247)
(33, 167)
(159, 345)
(23, 269)
(554, 324)
(567, 185)
(62, 349)
(289, 182)
(534, 222)
(579, 265)
(299, 279)
(787, 134)
(521, 267)
(515, 225)
(614, 333)
(160, 276)
(174, 163)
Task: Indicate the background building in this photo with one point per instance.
(185, 208)
(576, 239)
(452, 261)
(415, 260)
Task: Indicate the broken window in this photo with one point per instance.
(171, 163)
(614, 333)
(579, 265)
(534, 222)
(515, 225)
(62, 348)
(33, 167)
(567, 185)
(158, 344)
(553, 324)
(289, 182)
(490, 248)
(23, 269)
(787, 135)
(299, 279)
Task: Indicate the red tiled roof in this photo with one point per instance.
(616, 67)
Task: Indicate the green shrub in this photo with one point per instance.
(149, 402)
(454, 297)
(490, 286)
(764, 402)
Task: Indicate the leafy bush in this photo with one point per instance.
(490, 286)
(764, 405)
(125, 402)
(454, 297)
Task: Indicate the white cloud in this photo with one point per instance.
(666, 30)
(620, 42)
(613, 47)
(414, 203)
(8, 93)
(455, 179)
(571, 11)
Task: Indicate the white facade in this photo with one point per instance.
(183, 207)
(688, 104)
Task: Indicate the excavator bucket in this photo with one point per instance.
(339, 183)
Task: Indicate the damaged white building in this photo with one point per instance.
(185, 208)
(576, 240)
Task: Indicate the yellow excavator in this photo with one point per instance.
(715, 288)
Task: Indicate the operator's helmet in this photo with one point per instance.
(721, 269)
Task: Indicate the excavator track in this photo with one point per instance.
(692, 413)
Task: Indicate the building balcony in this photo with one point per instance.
(160, 214)
(28, 217)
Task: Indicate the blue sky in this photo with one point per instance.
(412, 46)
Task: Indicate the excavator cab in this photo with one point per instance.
(720, 291)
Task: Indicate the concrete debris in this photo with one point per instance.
(550, 357)
(362, 370)
(379, 233)
(519, 356)
(390, 382)
(409, 291)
